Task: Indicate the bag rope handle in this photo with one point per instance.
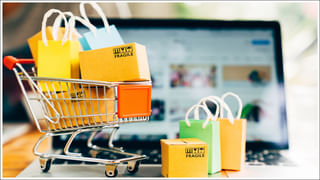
(98, 9)
(44, 22)
(239, 102)
(204, 108)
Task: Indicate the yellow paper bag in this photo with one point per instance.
(232, 137)
(53, 33)
(126, 62)
(187, 157)
(33, 41)
(57, 58)
(92, 106)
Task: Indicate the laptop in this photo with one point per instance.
(191, 59)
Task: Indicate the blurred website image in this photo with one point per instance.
(193, 75)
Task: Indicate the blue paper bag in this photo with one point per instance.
(102, 37)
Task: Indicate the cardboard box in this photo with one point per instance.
(128, 62)
(85, 107)
(184, 158)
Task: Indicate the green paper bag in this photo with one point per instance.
(207, 131)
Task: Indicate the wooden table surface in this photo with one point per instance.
(17, 154)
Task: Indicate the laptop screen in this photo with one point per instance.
(191, 62)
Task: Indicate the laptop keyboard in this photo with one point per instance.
(266, 157)
(255, 158)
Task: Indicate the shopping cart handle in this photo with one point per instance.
(10, 62)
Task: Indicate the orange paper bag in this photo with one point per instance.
(232, 137)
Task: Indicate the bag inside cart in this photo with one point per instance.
(102, 37)
(54, 32)
(57, 58)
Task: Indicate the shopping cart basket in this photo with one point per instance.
(74, 106)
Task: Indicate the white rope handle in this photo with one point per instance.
(84, 22)
(44, 22)
(57, 23)
(204, 108)
(203, 101)
(98, 10)
(238, 99)
(223, 106)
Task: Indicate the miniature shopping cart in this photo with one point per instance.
(74, 106)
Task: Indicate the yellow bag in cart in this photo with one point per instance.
(33, 41)
(128, 62)
(232, 137)
(57, 58)
(54, 32)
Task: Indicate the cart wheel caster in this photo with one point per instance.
(133, 166)
(45, 164)
(93, 153)
(111, 171)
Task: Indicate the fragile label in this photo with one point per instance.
(192, 152)
(123, 52)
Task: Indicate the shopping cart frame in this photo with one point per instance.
(46, 158)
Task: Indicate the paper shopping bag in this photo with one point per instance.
(102, 37)
(233, 142)
(54, 32)
(57, 58)
(92, 106)
(33, 41)
(207, 131)
(127, 62)
(232, 138)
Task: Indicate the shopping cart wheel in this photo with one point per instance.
(111, 171)
(93, 153)
(45, 164)
(133, 166)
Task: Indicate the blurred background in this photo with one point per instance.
(298, 20)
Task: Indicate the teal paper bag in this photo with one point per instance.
(102, 37)
(207, 131)
(84, 44)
